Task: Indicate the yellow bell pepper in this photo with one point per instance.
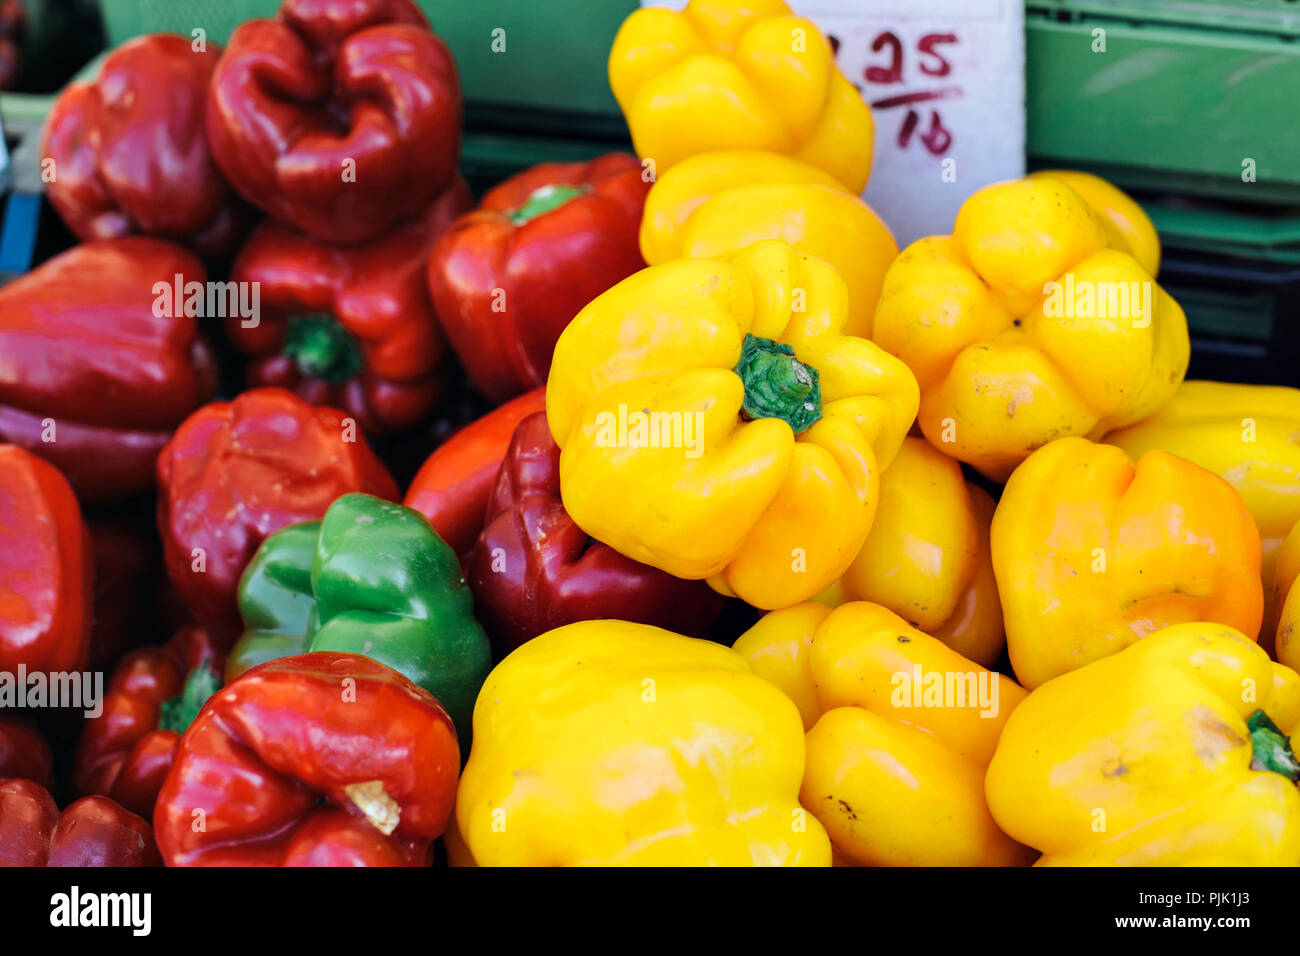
(715, 203)
(716, 423)
(1127, 225)
(1286, 598)
(927, 556)
(738, 74)
(1036, 319)
(606, 742)
(1148, 758)
(1246, 434)
(901, 729)
(1092, 553)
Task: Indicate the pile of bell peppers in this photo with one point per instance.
(766, 544)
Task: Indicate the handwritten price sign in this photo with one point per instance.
(946, 84)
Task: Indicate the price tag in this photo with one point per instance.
(946, 84)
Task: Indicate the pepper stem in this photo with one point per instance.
(1272, 750)
(545, 199)
(778, 385)
(383, 812)
(179, 712)
(322, 348)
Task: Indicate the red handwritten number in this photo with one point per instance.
(937, 139)
(926, 46)
(892, 73)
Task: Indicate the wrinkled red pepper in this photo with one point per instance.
(339, 117)
(454, 484)
(153, 695)
(322, 759)
(508, 278)
(349, 326)
(91, 377)
(24, 752)
(46, 570)
(131, 155)
(534, 569)
(94, 831)
(238, 471)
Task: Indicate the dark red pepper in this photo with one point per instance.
(13, 29)
(153, 695)
(349, 326)
(126, 565)
(509, 277)
(453, 485)
(24, 752)
(94, 831)
(130, 152)
(236, 472)
(534, 569)
(340, 117)
(92, 377)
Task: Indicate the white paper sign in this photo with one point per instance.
(946, 84)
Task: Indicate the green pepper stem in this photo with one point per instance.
(545, 199)
(778, 385)
(178, 713)
(322, 348)
(1271, 748)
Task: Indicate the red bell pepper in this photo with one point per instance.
(131, 156)
(91, 832)
(153, 695)
(339, 117)
(91, 376)
(24, 752)
(534, 569)
(507, 278)
(236, 472)
(46, 571)
(321, 759)
(349, 326)
(453, 485)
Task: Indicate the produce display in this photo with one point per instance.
(652, 509)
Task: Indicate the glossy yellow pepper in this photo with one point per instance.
(715, 422)
(1246, 434)
(738, 74)
(1127, 225)
(715, 203)
(927, 556)
(900, 731)
(606, 742)
(1146, 758)
(1092, 553)
(1036, 319)
(1286, 598)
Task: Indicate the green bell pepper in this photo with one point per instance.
(372, 578)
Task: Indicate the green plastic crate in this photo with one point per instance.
(1186, 91)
